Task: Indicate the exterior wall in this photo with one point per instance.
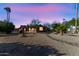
(38, 29)
(41, 29)
(32, 30)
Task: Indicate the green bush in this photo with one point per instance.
(6, 27)
(57, 27)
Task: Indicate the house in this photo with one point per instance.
(33, 29)
(22, 27)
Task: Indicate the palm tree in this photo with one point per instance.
(8, 10)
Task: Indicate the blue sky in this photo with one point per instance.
(23, 13)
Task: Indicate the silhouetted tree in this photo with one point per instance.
(35, 22)
(8, 10)
(47, 27)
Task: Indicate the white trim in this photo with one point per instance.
(39, 1)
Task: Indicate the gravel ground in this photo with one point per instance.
(41, 39)
(67, 44)
(30, 45)
(72, 39)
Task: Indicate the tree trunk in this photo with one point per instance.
(23, 34)
(61, 32)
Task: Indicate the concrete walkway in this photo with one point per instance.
(71, 39)
(65, 44)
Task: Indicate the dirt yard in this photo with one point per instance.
(31, 45)
(42, 39)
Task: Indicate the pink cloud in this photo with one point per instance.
(51, 20)
(38, 8)
(43, 13)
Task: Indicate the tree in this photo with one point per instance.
(72, 22)
(8, 10)
(35, 22)
(9, 27)
(6, 27)
(62, 28)
(59, 28)
(47, 27)
(55, 27)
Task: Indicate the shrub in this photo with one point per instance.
(6, 27)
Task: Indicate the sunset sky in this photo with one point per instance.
(23, 13)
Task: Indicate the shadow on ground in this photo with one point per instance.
(19, 49)
(74, 35)
(5, 35)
